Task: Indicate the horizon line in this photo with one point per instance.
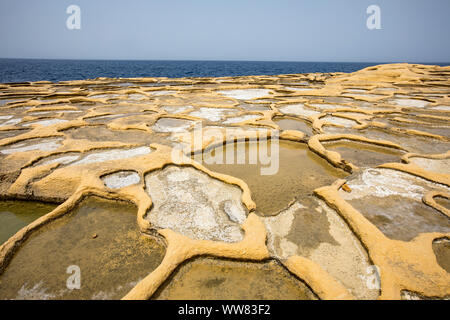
(232, 60)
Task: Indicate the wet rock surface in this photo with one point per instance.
(363, 154)
(392, 201)
(64, 142)
(15, 215)
(110, 265)
(311, 229)
(441, 248)
(205, 279)
(299, 172)
(287, 123)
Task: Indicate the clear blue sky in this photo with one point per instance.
(279, 30)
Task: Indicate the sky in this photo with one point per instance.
(255, 30)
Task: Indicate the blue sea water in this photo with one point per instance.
(22, 70)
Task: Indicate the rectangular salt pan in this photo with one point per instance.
(115, 154)
(245, 94)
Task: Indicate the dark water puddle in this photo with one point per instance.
(172, 125)
(108, 118)
(433, 127)
(5, 101)
(337, 100)
(441, 248)
(136, 120)
(300, 171)
(364, 154)
(14, 215)
(401, 218)
(310, 228)
(12, 133)
(443, 202)
(287, 123)
(254, 106)
(101, 133)
(207, 278)
(412, 143)
(101, 237)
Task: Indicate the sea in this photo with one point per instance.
(26, 70)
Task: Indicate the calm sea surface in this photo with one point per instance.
(21, 70)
